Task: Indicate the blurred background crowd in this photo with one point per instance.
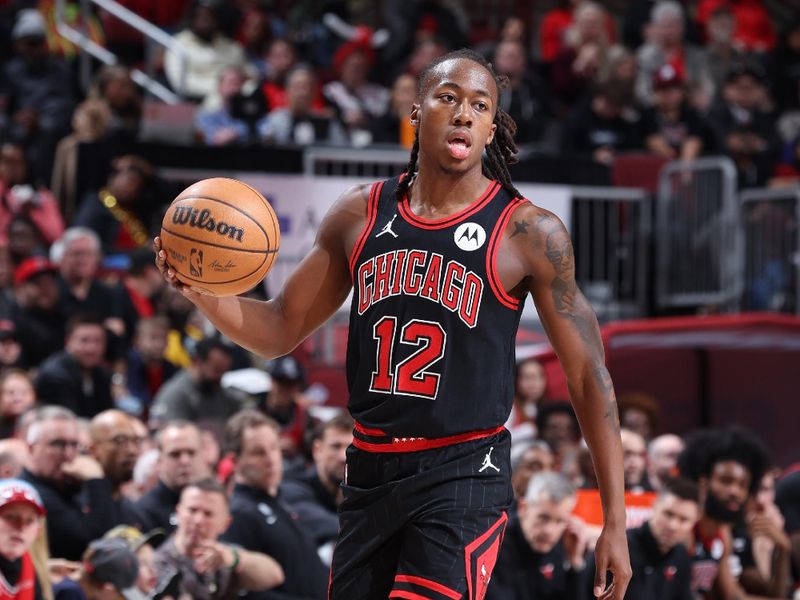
(145, 456)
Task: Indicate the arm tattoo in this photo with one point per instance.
(520, 227)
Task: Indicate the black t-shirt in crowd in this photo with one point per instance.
(687, 125)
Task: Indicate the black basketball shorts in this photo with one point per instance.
(423, 525)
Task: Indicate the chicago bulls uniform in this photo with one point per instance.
(430, 368)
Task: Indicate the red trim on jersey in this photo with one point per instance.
(407, 595)
(428, 583)
(408, 444)
(500, 293)
(369, 430)
(372, 213)
(486, 197)
(491, 552)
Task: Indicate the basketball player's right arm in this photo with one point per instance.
(312, 294)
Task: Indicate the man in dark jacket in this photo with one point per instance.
(543, 553)
(75, 377)
(73, 487)
(261, 522)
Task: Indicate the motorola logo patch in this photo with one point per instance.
(469, 236)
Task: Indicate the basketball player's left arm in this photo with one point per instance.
(572, 327)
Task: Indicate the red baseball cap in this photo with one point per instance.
(16, 490)
(31, 267)
(667, 76)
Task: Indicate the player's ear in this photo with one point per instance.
(415, 114)
(491, 134)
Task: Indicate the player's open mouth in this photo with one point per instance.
(459, 142)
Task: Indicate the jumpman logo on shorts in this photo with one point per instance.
(487, 462)
(388, 228)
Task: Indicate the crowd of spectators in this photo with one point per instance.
(142, 454)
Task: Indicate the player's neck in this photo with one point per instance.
(439, 194)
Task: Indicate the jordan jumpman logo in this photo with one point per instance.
(388, 228)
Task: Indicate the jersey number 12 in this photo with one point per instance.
(411, 376)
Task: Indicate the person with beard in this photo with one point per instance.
(73, 487)
(543, 554)
(179, 464)
(35, 310)
(195, 394)
(116, 445)
(316, 495)
(660, 561)
(728, 466)
(76, 377)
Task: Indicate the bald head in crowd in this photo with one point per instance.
(115, 443)
(662, 458)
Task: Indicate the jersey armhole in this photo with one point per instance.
(500, 293)
(372, 212)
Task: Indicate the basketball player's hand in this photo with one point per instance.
(167, 272)
(611, 554)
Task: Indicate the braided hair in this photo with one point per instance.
(499, 154)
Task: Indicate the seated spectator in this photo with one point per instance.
(771, 547)
(576, 66)
(424, 53)
(672, 129)
(662, 459)
(285, 403)
(787, 498)
(75, 377)
(145, 475)
(90, 122)
(666, 46)
(125, 213)
(638, 412)
(78, 253)
(73, 487)
(14, 456)
(207, 50)
(634, 461)
(141, 544)
(558, 428)
(530, 384)
(195, 394)
(11, 356)
(527, 460)
(316, 494)
(19, 197)
(543, 553)
(728, 465)
(35, 311)
(619, 68)
(261, 523)
(722, 49)
(754, 29)
(146, 369)
(602, 127)
(40, 92)
(16, 397)
(219, 127)
(109, 569)
(278, 61)
(353, 97)
(193, 556)
(659, 559)
(113, 85)
(299, 123)
(395, 127)
(116, 446)
(180, 463)
(741, 127)
(21, 512)
(525, 97)
(24, 239)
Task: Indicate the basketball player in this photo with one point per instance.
(441, 260)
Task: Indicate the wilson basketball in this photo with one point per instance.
(221, 237)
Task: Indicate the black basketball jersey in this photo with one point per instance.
(431, 347)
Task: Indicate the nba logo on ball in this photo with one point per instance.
(220, 236)
(469, 236)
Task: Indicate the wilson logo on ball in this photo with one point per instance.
(202, 219)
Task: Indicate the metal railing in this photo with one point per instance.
(769, 222)
(698, 246)
(611, 235)
(91, 48)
